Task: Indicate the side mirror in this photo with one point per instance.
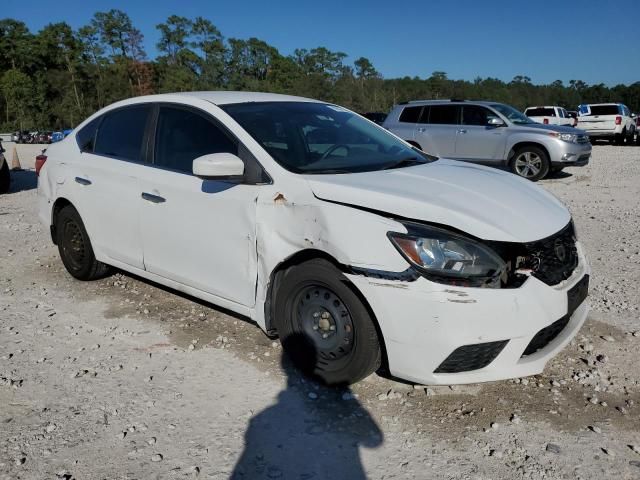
(495, 122)
(223, 166)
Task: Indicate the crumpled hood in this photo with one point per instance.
(481, 201)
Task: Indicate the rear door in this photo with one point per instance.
(105, 180)
(436, 132)
(405, 127)
(200, 233)
(476, 140)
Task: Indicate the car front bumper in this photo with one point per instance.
(568, 154)
(424, 323)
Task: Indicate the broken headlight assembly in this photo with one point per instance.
(447, 257)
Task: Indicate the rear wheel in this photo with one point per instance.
(324, 327)
(5, 177)
(530, 162)
(75, 247)
(620, 137)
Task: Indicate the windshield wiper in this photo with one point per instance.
(405, 162)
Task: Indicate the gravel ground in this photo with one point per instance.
(121, 378)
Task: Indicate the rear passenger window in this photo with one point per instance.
(183, 135)
(86, 136)
(121, 132)
(444, 114)
(410, 115)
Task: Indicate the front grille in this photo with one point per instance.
(582, 139)
(552, 259)
(471, 357)
(546, 335)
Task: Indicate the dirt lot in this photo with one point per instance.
(121, 378)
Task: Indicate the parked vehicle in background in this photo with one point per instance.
(607, 121)
(23, 136)
(376, 117)
(5, 174)
(15, 136)
(43, 137)
(349, 244)
(59, 135)
(637, 129)
(489, 133)
(549, 115)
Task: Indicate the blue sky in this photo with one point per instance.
(597, 41)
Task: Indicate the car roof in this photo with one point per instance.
(224, 97)
(544, 106)
(599, 104)
(449, 101)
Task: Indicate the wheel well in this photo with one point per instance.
(520, 145)
(58, 205)
(303, 256)
(415, 144)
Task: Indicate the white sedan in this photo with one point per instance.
(356, 249)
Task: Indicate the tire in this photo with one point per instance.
(75, 247)
(530, 162)
(323, 326)
(5, 177)
(619, 138)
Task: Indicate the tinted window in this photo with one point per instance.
(444, 114)
(121, 133)
(476, 115)
(315, 138)
(540, 112)
(87, 135)
(183, 135)
(602, 110)
(410, 115)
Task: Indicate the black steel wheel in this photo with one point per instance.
(323, 325)
(75, 247)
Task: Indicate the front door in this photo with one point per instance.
(200, 233)
(478, 141)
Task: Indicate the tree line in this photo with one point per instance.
(58, 76)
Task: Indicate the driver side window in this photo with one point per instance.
(183, 135)
(476, 115)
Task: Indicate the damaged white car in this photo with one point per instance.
(356, 249)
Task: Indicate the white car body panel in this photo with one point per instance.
(560, 117)
(480, 201)
(222, 242)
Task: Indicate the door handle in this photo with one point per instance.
(462, 130)
(83, 181)
(153, 198)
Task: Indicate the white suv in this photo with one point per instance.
(355, 248)
(550, 115)
(607, 121)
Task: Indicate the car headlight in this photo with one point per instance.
(565, 137)
(447, 257)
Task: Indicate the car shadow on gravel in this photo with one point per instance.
(312, 431)
(22, 180)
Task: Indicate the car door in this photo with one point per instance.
(436, 132)
(200, 233)
(476, 140)
(405, 127)
(105, 181)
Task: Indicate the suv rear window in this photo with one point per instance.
(540, 112)
(410, 115)
(121, 132)
(601, 110)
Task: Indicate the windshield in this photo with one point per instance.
(307, 137)
(513, 115)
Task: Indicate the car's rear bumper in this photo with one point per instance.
(427, 326)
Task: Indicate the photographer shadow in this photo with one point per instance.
(312, 432)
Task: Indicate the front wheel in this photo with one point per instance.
(531, 163)
(75, 247)
(323, 325)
